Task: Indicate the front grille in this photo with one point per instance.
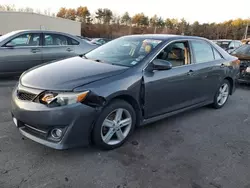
(25, 96)
(35, 131)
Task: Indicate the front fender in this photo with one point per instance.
(123, 84)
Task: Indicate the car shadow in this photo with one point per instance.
(245, 86)
(140, 132)
(9, 81)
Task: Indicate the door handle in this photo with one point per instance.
(35, 50)
(69, 49)
(222, 65)
(190, 72)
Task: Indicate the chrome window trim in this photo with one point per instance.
(53, 46)
(18, 47)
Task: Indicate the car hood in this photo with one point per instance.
(65, 75)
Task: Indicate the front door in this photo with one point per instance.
(170, 90)
(56, 47)
(20, 53)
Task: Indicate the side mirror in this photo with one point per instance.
(231, 48)
(159, 64)
(9, 45)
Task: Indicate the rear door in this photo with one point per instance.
(56, 47)
(21, 53)
(209, 68)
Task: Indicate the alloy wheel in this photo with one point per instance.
(223, 94)
(116, 126)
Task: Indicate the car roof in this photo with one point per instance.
(165, 36)
(225, 40)
(44, 31)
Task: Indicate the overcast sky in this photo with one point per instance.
(191, 10)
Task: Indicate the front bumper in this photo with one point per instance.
(35, 121)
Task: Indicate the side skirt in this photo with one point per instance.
(157, 118)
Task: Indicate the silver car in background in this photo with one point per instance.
(21, 50)
(228, 45)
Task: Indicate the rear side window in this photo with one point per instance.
(217, 56)
(202, 51)
(55, 40)
(73, 41)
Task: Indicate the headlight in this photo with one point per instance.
(61, 99)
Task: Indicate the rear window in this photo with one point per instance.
(223, 44)
(243, 50)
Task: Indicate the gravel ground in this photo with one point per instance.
(202, 148)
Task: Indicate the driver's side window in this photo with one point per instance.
(25, 40)
(176, 53)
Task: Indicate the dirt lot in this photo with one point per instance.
(203, 148)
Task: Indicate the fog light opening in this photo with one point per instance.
(56, 133)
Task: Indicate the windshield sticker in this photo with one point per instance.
(134, 62)
(139, 58)
(126, 44)
(151, 41)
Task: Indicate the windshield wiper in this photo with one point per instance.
(83, 55)
(98, 60)
(117, 64)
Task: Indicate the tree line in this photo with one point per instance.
(12, 8)
(231, 29)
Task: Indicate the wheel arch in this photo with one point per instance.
(231, 82)
(131, 100)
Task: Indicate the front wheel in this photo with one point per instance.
(222, 95)
(114, 125)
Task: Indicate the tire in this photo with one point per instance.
(220, 103)
(107, 126)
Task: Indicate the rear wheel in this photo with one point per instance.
(222, 95)
(114, 125)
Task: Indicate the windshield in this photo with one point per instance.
(223, 44)
(125, 51)
(243, 50)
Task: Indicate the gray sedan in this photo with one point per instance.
(128, 82)
(21, 50)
